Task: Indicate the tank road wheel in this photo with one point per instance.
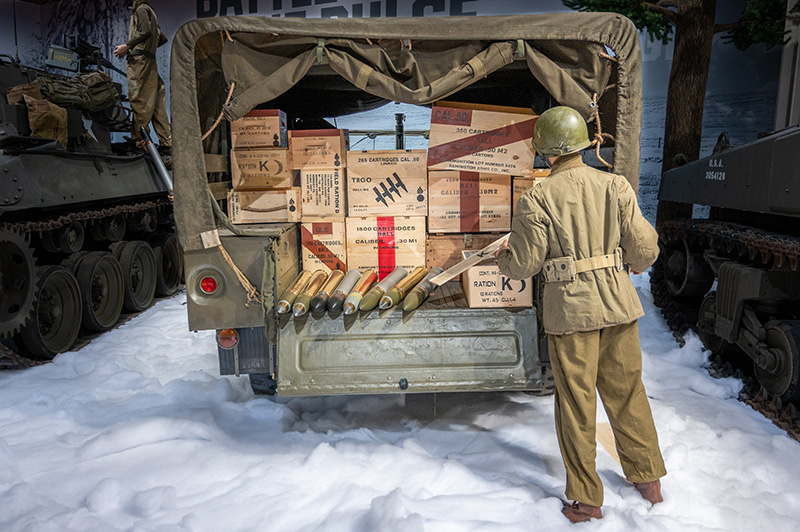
(139, 273)
(781, 373)
(102, 290)
(169, 261)
(685, 271)
(56, 319)
(17, 281)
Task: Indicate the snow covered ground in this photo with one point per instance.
(137, 431)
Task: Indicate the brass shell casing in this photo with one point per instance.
(290, 294)
(318, 278)
(368, 278)
(411, 280)
(333, 281)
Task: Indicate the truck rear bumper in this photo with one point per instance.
(432, 349)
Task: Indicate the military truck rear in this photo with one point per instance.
(223, 68)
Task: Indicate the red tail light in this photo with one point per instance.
(208, 285)
(227, 338)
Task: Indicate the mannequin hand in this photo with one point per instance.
(121, 50)
(503, 247)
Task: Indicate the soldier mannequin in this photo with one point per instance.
(146, 90)
(590, 223)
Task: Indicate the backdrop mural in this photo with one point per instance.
(740, 98)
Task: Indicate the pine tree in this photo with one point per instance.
(692, 24)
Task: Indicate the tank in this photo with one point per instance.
(86, 226)
(734, 276)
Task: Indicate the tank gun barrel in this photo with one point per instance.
(161, 170)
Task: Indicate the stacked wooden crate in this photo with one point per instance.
(376, 210)
(474, 155)
(320, 156)
(387, 202)
(264, 183)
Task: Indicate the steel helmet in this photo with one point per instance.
(559, 131)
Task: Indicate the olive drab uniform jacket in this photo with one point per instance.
(146, 90)
(582, 213)
(144, 33)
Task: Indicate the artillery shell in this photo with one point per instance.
(353, 300)
(421, 292)
(372, 298)
(396, 294)
(336, 300)
(291, 293)
(302, 302)
(320, 300)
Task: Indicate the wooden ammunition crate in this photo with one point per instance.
(485, 287)
(445, 250)
(264, 206)
(381, 243)
(468, 202)
(324, 245)
(259, 169)
(523, 184)
(260, 128)
(319, 148)
(323, 193)
(387, 183)
(481, 138)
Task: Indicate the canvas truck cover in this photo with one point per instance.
(340, 66)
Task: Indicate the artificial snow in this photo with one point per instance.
(138, 432)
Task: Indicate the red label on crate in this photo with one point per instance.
(386, 251)
(321, 228)
(451, 117)
(316, 132)
(469, 186)
(263, 112)
(320, 250)
(481, 142)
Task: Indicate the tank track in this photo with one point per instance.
(81, 216)
(734, 241)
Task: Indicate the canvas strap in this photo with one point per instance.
(565, 269)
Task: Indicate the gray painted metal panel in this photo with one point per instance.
(428, 350)
(753, 178)
(62, 180)
(784, 183)
(226, 308)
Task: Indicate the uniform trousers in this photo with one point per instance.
(608, 361)
(148, 98)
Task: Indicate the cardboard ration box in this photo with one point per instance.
(468, 202)
(523, 184)
(387, 183)
(481, 138)
(319, 148)
(382, 243)
(323, 192)
(261, 168)
(324, 245)
(260, 128)
(264, 206)
(485, 287)
(446, 250)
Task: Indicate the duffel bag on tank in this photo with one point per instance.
(86, 92)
